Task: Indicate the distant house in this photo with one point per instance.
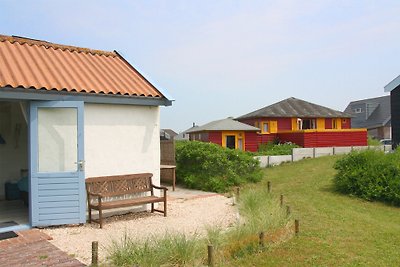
(373, 114)
(304, 123)
(394, 88)
(227, 133)
(167, 134)
(185, 135)
(67, 113)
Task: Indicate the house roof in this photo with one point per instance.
(393, 84)
(40, 65)
(293, 107)
(170, 132)
(374, 112)
(227, 124)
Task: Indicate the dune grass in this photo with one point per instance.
(259, 211)
(335, 229)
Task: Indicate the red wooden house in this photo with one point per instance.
(304, 123)
(227, 133)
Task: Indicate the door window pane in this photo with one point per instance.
(231, 141)
(57, 139)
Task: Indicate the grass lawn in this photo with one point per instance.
(335, 229)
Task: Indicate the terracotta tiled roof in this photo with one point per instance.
(33, 64)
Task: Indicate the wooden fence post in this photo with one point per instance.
(281, 201)
(237, 192)
(269, 186)
(261, 239)
(95, 253)
(288, 210)
(296, 226)
(210, 250)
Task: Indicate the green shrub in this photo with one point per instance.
(370, 174)
(373, 142)
(210, 167)
(274, 148)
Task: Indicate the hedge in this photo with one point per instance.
(210, 167)
(370, 174)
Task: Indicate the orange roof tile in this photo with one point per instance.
(33, 64)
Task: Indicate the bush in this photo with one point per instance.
(370, 174)
(210, 167)
(273, 148)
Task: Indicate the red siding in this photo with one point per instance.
(215, 137)
(297, 138)
(325, 139)
(251, 141)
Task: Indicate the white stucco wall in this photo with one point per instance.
(122, 139)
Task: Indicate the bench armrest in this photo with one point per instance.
(160, 187)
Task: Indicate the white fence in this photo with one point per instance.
(303, 153)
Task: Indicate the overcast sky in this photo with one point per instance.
(228, 58)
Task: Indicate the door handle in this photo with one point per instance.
(81, 165)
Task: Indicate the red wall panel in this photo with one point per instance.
(251, 141)
(215, 137)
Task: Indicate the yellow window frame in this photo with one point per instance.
(238, 135)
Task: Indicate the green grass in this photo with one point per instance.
(335, 229)
(373, 141)
(260, 211)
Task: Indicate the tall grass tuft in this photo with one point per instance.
(259, 211)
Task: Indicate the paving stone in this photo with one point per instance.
(32, 248)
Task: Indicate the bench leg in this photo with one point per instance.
(90, 215)
(152, 207)
(165, 206)
(101, 218)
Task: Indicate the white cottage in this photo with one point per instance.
(67, 113)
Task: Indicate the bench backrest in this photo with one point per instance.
(116, 185)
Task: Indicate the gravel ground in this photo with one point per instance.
(189, 212)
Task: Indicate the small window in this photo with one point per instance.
(357, 110)
(334, 124)
(308, 124)
(265, 127)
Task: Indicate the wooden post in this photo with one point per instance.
(95, 253)
(269, 186)
(281, 201)
(237, 192)
(296, 226)
(261, 239)
(210, 250)
(288, 210)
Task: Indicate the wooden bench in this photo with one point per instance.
(110, 192)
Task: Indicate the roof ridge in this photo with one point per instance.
(46, 44)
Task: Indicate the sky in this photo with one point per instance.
(218, 59)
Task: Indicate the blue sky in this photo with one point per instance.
(228, 58)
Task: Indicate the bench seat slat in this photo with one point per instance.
(127, 202)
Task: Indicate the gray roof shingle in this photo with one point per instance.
(293, 107)
(375, 112)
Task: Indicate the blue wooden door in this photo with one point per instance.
(57, 180)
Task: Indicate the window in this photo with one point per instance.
(308, 124)
(357, 110)
(334, 124)
(265, 127)
(230, 141)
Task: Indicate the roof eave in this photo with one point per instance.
(10, 93)
(392, 85)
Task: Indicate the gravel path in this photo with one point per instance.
(189, 212)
